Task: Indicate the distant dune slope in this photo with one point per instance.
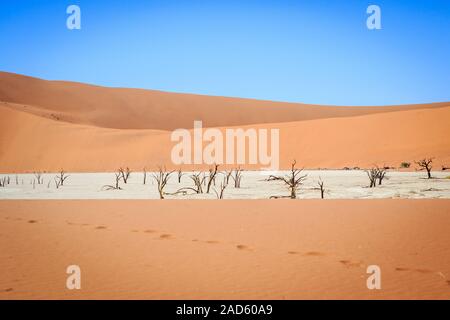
(147, 109)
(29, 142)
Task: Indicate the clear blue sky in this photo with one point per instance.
(303, 51)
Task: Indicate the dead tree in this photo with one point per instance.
(237, 176)
(3, 182)
(118, 177)
(62, 177)
(425, 164)
(198, 180)
(381, 173)
(125, 174)
(322, 190)
(38, 176)
(145, 175)
(212, 177)
(223, 185)
(376, 174)
(17, 179)
(373, 175)
(180, 175)
(161, 178)
(116, 185)
(293, 180)
(57, 182)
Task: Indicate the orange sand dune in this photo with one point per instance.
(29, 142)
(148, 109)
(46, 125)
(258, 249)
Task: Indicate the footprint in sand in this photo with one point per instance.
(77, 224)
(32, 221)
(426, 271)
(243, 247)
(416, 270)
(401, 269)
(100, 228)
(9, 290)
(73, 223)
(350, 264)
(314, 254)
(149, 231)
(293, 252)
(165, 237)
(212, 241)
(423, 270)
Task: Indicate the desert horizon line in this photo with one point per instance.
(212, 95)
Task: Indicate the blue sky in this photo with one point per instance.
(301, 51)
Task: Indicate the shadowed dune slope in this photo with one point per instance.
(148, 109)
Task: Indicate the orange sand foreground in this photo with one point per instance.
(280, 249)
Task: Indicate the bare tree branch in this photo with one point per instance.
(62, 177)
(180, 175)
(118, 176)
(38, 176)
(125, 174)
(223, 185)
(322, 190)
(212, 177)
(161, 178)
(237, 176)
